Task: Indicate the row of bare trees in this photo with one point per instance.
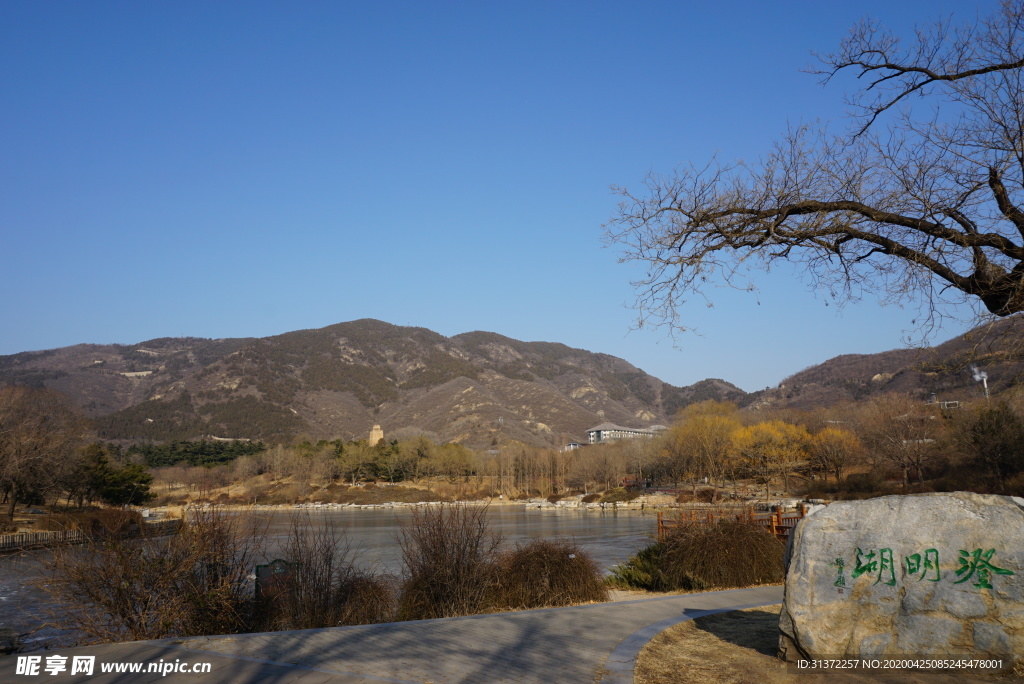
(710, 443)
(893, 433)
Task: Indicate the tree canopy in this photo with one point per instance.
(920, 196)
(39, 433)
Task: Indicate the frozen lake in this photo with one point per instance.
(609, 536)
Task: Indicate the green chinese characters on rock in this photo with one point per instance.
(978, 563)
(921, 565)
(927, 566)
(880, 563)
(840, 565)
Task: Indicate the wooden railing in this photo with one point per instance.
(35, 540)
(776, 521)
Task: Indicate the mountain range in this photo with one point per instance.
(478, 388)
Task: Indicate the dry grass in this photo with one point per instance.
(99, 522)
(739, 648)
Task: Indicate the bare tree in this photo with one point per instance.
(39, 433)
(908, 201)
(901, 431)
(639, 456)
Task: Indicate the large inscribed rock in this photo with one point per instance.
(926, 574)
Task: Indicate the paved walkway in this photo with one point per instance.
(581, 644)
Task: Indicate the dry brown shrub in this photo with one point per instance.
(699, 557)
(619, 495)
(325, 588)
(196, 582)
(448, 552)
(99, 522)
(191, 583)
(169, 499)
(382, 494)
(544, 573)
(454, 565)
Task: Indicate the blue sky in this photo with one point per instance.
(229, 169)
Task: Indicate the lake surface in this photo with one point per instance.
(609, 536)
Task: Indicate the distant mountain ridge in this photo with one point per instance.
(479, 388)
(944, 371)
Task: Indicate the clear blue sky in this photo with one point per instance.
(228, 169)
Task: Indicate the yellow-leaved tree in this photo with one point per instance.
(833, 449)
(702, 439)
(771, 448)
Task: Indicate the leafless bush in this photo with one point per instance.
(726, 554)
(196, 581)
(543, 573)
(326, 588)
(247, 467)
(701, 495)
(698, 557)
(99, 522)
(448, 552)
(454, 565)
(191, 583)
(283, 494)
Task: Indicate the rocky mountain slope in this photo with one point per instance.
(478, 388)
(944, 370)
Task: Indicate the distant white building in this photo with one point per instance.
(609, 432)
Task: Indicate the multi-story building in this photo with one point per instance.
(609, 432)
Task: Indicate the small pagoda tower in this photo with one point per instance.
(376, 435)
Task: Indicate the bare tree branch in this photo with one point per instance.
(926, 207)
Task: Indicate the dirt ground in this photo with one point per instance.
(739, 648)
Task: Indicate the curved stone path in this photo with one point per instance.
(591, 643)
